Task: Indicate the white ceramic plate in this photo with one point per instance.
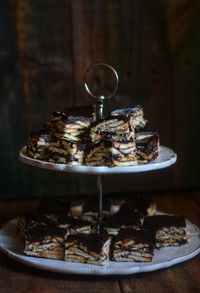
(165, 159)
(163, 258)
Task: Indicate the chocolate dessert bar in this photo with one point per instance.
(71, 128)
(91, 249)
(169, 230)
(54, 208)
(62, 151)
(133, 245)
(90, 210)
(52, 122)
(112, 129)
(136, 113)
(45, 241)
(119, 220)
(38, 145)
(111, 153)
(147, 146)
(27, 221)
(138, 205)
(74, 225)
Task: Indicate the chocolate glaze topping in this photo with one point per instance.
(93, 242)
(128, 219)
(139, 236)
(161, 221)
(39, 233)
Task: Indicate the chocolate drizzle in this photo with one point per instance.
(127, 111)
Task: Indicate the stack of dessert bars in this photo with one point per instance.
(78, 140)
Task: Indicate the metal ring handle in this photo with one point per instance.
(91, 68)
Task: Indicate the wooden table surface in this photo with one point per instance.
(185, 277)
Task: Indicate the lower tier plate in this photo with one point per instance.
(163, 258)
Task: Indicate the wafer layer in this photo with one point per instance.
(66, 152)
(112, 129)
(92, 249)
(71, 128)
(111, 153)
(133, 245)
(74, 225)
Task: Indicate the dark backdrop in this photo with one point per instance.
(45, 48)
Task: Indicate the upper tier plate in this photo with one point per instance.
(165, 159)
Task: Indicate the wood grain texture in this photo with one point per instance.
(45, 48)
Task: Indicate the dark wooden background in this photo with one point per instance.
(45, 48)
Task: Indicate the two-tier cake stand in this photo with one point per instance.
(165, 257)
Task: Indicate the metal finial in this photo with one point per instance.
(101, 98)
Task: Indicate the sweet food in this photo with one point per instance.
(73, 137)
(91, 249)
(147, 146)
(69, 127)
(66, 152)
(54, 208)
(111, 153)
(121, 220)
(45, 241)
(27, 221)
(117, 128)
(38, 145)
(133, 245)
(136, 113)
(74, 225)
(90, 210)
(169, 230)
(138, 205)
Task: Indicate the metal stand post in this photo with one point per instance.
(100, 115)
(100, 201)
